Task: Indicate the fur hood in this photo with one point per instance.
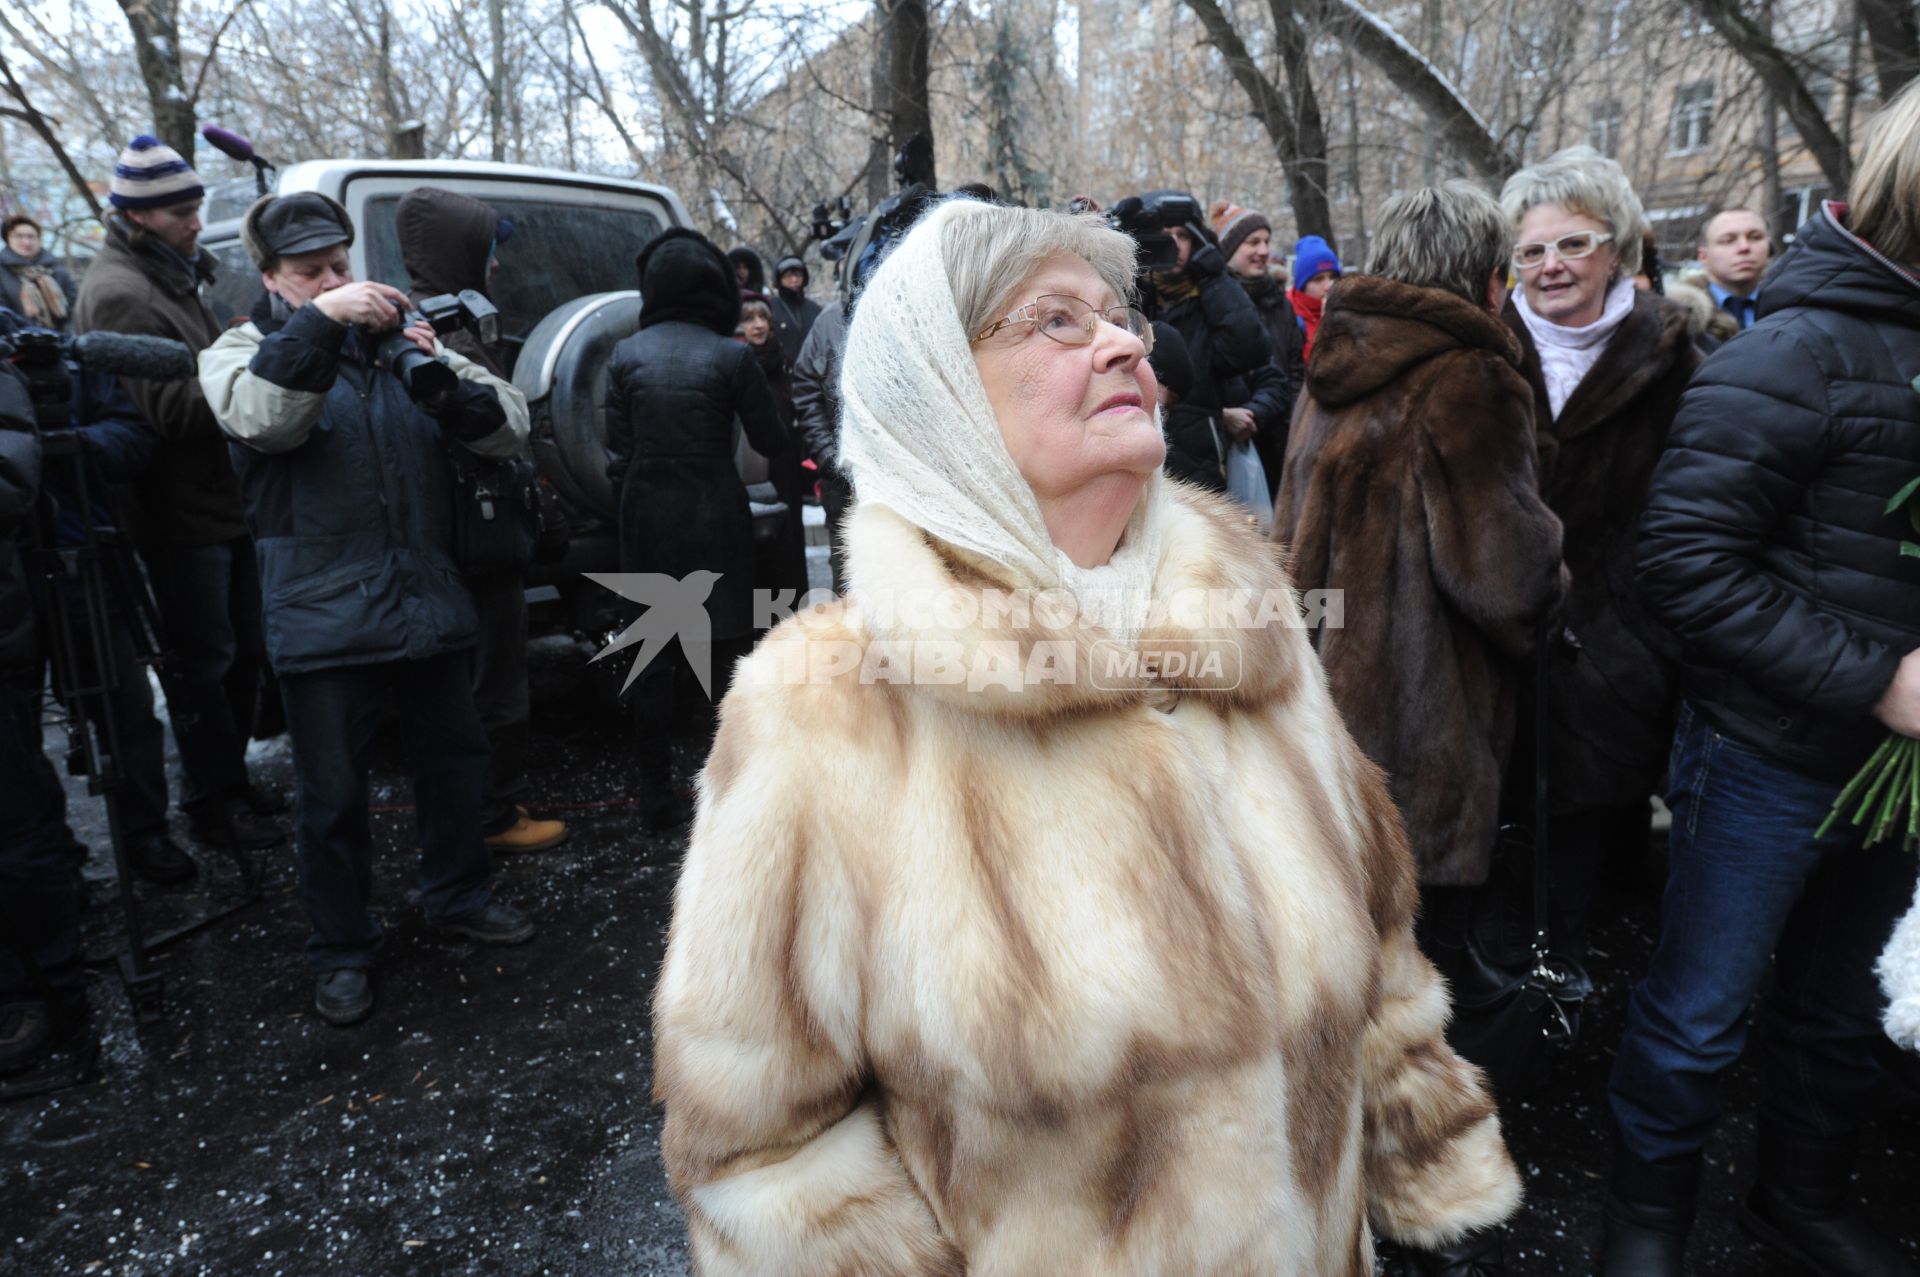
(1380, 330)
(1065, 979)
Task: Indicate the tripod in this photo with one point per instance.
(87, 591)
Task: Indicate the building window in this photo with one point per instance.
(1603, 128)
(1613, 27)
(1692, 118)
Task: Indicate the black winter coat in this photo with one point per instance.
(1766, 544)
(674, 392)
(816, 389)
(19, 486)
(1232, 368)
(1611, 697)
(1288, 342)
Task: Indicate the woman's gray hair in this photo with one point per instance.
(1885, 199)
(1452, 237)
(1581, 180)
(990, 252)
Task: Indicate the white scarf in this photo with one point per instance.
(918, 436)
(1567, 355)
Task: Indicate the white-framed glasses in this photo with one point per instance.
(1568, 248)
(1072, 322)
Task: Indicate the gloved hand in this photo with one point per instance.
(1481, 1254)
(1206, 261)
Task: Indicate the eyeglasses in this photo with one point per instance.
(1072, 322)
(1568, 248)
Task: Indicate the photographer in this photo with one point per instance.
(118, 445)
(1235, 380)
(349, 489)
(447, 243)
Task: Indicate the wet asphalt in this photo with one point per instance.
(494, 1115)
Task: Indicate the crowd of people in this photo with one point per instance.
(1153, 967)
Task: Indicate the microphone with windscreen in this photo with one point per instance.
(133, 355)
(237, 146)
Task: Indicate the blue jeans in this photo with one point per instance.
(1749, 885)
(333, 716)
(209, 601)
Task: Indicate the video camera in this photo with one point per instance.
(428, 378)
(45, 360)
(1147, 218)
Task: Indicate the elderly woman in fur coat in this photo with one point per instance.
(1040, 917)
(1607, 364)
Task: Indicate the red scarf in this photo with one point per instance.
(1309, 309)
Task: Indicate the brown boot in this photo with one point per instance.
(528, 834)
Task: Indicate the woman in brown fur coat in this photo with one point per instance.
(1061, 933)
(1410, 486)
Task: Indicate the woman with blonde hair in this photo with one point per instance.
(1040, 917)
(1769, 548)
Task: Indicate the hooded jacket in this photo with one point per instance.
(1766, 544)
(1000, 979)
(674, 392)
(446, 243)
(1410, 486)
(740, 255)
(189, 494)
(794, 312)
(1611, 694)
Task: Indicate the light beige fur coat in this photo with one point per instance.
(1055, 981)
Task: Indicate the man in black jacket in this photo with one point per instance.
(350, 488)
(1238, 389)
(794, 312)
(1767, 547)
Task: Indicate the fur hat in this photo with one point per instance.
(1233, 224)
(151, 174)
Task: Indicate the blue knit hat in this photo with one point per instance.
(151, 174)
(1311, 256)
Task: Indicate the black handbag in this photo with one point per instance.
(496, 512)
(1515, 1019)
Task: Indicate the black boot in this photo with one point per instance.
(1804, 1206)
(1649, 1210)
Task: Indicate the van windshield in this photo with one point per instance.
(558, 252)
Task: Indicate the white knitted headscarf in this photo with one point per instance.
(918, 436)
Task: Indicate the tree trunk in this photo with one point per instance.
(156, 46)
(497, 82)
(1307, 176)
(1309, 190)
(1893, 29)
(900, 98)
(1774, 68)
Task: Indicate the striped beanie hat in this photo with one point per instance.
(151, 174)
(1233, 224)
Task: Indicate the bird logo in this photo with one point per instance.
(675, 608)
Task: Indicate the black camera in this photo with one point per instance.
(1147, 218)
(428, 378)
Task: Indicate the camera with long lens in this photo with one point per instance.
(428, 378)
(1147, 219)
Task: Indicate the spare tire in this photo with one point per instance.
(562, 370)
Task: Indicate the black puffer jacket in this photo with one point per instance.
(1766, 544)
(1232, 368)
(674, 391)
